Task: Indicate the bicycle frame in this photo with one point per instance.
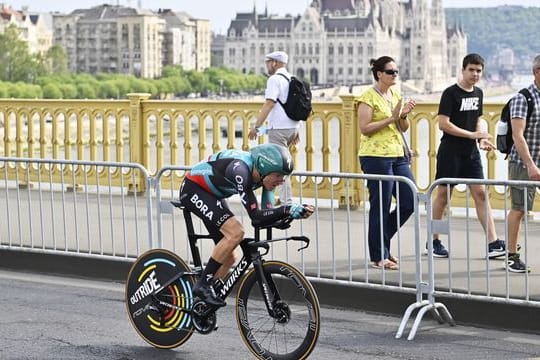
(251, 255)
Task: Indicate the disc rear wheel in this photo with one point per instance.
(160, 318)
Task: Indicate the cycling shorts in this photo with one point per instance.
(211, 210)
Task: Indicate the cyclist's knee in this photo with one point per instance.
(233, 230)
(238, 236)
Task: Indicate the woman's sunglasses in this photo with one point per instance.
(391, 72)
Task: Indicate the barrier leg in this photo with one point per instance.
(446, 314)
(435, 309)
(407, 315)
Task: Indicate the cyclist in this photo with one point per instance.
(209, 183)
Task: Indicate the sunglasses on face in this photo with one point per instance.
(391, 72)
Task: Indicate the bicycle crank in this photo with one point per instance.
(204, 318)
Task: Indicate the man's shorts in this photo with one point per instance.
(212, 211)
(517, 193)
(451, 164)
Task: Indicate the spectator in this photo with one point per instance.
(281, 129)
(523, 164)
(383, 151)
(458, 156)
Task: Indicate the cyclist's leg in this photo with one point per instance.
(233, 234)
(214, 215)
(217, 236)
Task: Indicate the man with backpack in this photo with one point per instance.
(524, 162)
(281, 129)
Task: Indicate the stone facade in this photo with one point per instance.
(32, 27)
(333, 41)
(118, 39)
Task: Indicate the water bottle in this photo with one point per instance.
(261, 130)
(502, 128)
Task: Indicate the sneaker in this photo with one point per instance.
(514, 264)
(496, 249)
(438, 249)
(206, 293)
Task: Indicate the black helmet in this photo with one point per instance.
(269, 158)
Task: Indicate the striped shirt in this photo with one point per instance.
(518, 109)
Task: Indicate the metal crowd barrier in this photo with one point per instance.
(84, 214)
(468, 272)
(78, 212)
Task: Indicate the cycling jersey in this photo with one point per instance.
(224, 174)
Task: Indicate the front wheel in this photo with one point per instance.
(160, 314)
(291, 334)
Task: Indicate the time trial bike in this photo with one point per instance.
(277, 309)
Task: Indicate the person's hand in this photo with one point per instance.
(407, 108)
(252, 135)
(480, 134)
(533, 172)
(309, 209)
(300, 211)
(486, 145)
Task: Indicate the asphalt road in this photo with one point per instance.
(48, 317)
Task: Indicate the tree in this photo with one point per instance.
(3, 90)
(108, 89)
(56, 61)
(69, 91)
(86, 91)
(51, 91)
(16, 63)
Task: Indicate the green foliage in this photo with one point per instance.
(86, 91)
(3, 90)
(57, 60)
(69, 91)
(50, 74)
(16, 63)
(51, 91)
(489, 29)
(14, 90)
(30, 91)
(107, 89)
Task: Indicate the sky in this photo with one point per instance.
(221, 12)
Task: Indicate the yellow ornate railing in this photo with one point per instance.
(156, 133)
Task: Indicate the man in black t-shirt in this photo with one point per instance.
(458, 156)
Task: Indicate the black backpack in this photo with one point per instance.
(504, 138)
(298, 103)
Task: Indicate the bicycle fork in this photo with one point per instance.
(269, 291)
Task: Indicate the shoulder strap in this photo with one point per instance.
(530, 102)
(289, 80)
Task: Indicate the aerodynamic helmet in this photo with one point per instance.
(269, 158)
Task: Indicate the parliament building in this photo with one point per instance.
(332, 42)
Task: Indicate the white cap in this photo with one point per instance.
(280, 56)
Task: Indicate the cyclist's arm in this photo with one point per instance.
(244, 186)
(268, 200)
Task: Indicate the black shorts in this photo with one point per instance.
(452, 164)
(211, 210)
